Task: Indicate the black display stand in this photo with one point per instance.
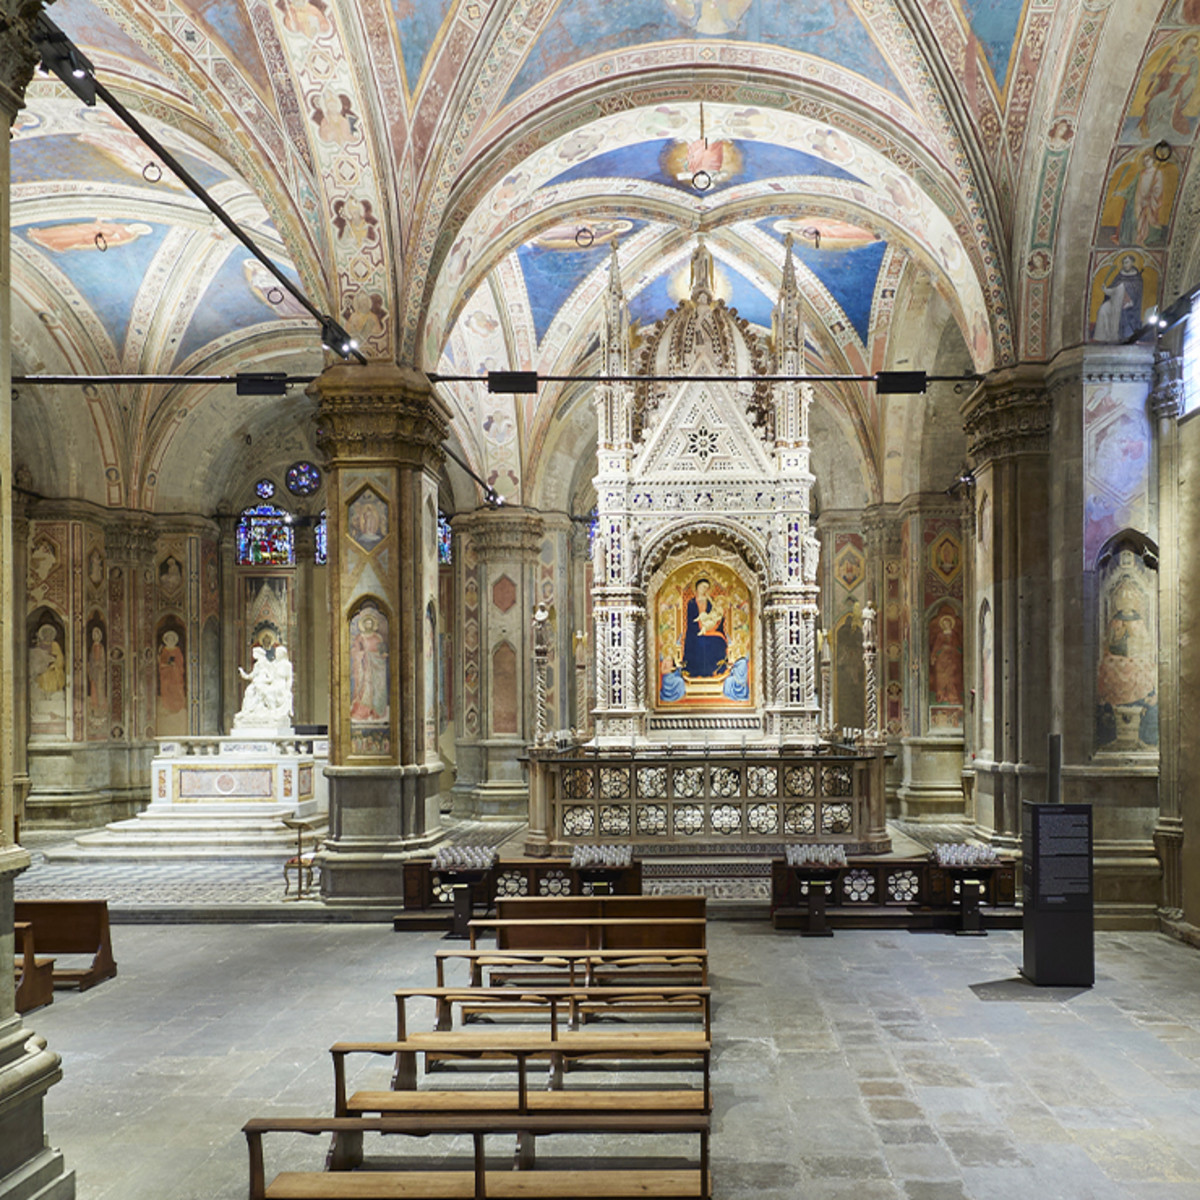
(1059, 925)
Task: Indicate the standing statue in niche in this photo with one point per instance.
(267, 704)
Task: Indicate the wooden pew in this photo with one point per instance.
(572, 967)
(72, 927)
(649, 908)
(592, 933)
(478, 1183)
(578, 1003)
(34, 976)
(557, 1045)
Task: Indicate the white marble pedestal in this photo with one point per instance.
(219, 798)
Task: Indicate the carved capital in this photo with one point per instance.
(18, 54)
(1008, 414)
(1166, 396)
(379, 412)
(502, 533)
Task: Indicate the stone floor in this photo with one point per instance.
(869, 1065)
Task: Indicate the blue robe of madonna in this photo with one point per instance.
(672, 687)
(737, 686)
(703, 653)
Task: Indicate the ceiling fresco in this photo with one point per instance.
(827, 28)
(448, 179)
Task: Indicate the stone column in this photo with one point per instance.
(305, 657)
(1166, 399)
(231, 688)
(1105, 576)
(931, 789)
(499, 564)
(881, 530)
(27, 1068)
(20, 649)
(382, 428)
(1007, 422)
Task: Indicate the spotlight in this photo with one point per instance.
(62, 58)
(335, 339)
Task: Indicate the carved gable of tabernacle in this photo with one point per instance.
(701, 433)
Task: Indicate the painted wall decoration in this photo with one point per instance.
(849, 672)
(705, 643)
(210, 667)
(1166, 100)
(986, 689)
(429, 649)
(267, 613)
(370, 683)
(48, 674)
(367, 519)
(1138, 200)
(1127, 671)
(505, 712)
(1123, 288)
(945, 632)
(96, 669)
(828, 28)
(171, 708)
(1116, 462)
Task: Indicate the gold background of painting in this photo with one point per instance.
(669, 617)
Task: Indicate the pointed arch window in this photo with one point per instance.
(265, 537)
(445, 541)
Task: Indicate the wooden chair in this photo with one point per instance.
(300, 863)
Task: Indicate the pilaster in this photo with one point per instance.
(28, 1166)
(501, 585)
(382, 428)
(1008, 425)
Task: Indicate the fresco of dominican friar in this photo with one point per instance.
(706, 648)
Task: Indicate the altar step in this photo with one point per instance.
(176, 834)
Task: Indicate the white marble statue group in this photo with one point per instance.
(267, 704)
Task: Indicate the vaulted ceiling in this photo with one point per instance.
(447, 178)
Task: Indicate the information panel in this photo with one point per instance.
(1057, 869)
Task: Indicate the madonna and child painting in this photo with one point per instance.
(705, 647)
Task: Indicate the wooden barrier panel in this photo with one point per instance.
(72, 927)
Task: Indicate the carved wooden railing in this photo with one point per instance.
(708, 801)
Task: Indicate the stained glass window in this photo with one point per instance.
(1191, 364)
(264, 537)
(302, 479)
(321, 538)
(264, 489)
(593, 525)
(444, 543)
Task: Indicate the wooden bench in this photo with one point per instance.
(478, 1183)
(571, 967)
(34, 976)
(578, 1002)
(72, 927)
(557, 1046)
(593, 933)
(646, 907)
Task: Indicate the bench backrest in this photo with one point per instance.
(649, 907)
(66, 926)
(611, 933)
